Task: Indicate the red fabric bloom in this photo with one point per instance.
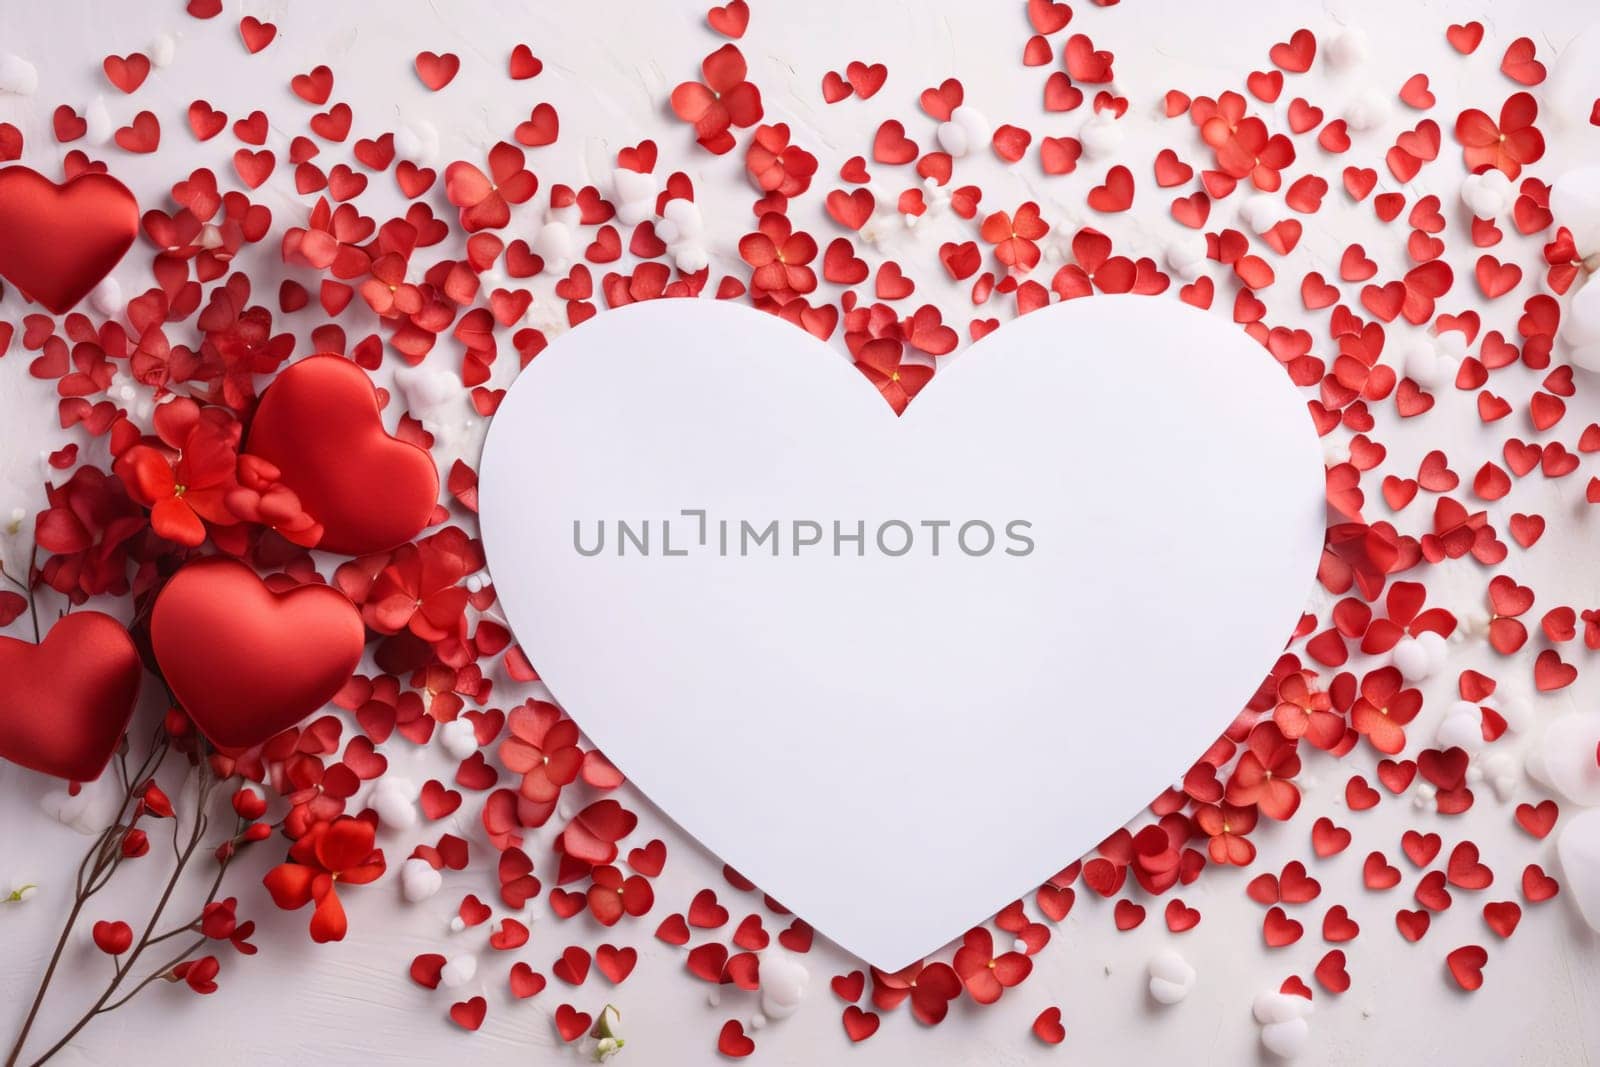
(200, 974)
(1158, 853)
(986, 975)
(485, 199)
(897, 380)
(419, 589)
(1302, 711)
(1226, 826)
(1384, 709)
(1262, 775)
(611, 895)
(931, 987)
(775, 165)
(725, 99)
(219, 922)
(239, 345)
(186, 483)
(330, 852)
(543, 748)
(779, 257)
(88, 528)
(331, 240)
(1243, 147)
(1095, 267)
(387, 292)
(1506, 146)
(877, 337)
(1013, 237)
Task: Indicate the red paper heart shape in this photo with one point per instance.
(58, 241)
(66, 701)
(320, 425)
(247, 663)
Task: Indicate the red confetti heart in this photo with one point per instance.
(1047, 1026)
(859, 1025)
(256, 34)
(1466, 966)
(1465, 37)
(571, 1024)
(1331, 973)
(1296, 54)
(469, 1014)
(733, 1042)
(437, 71)
(1116, 194)
(524, 981)
(1502, 916)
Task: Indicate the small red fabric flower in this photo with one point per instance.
(897, 380)
(1306, 712)
(1384, 709)
(200, 974)
(219, 922)
(485, 199)
(186, 484)
(1227, 826)
(1243, 146)
(1506, 146)
(1262, 775)
(543, 748)
(330, 240)
(611, 895)
(775, 165)
(330, 852)
(1095, 267)
(87, 529)
(1013, 236)
(779, 257)
(931, 987)
(725, 99)
(419, 589)
(986, 975)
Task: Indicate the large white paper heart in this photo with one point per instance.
(897, 744)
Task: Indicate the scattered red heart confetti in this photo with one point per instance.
(437, 71)
(1466, 966)
(469, 1014)
(858, 1024)
(1047, 1025)
(571, 1024)
(733, 1042)
(256, 34)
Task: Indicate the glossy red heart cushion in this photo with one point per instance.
(319, 423)
(65, 703)
(58, 241)
(245, 662)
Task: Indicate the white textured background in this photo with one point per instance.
(609, 66)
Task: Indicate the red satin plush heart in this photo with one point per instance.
(65, 703)
(247, 663)
(319, 424)
(58, 241)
